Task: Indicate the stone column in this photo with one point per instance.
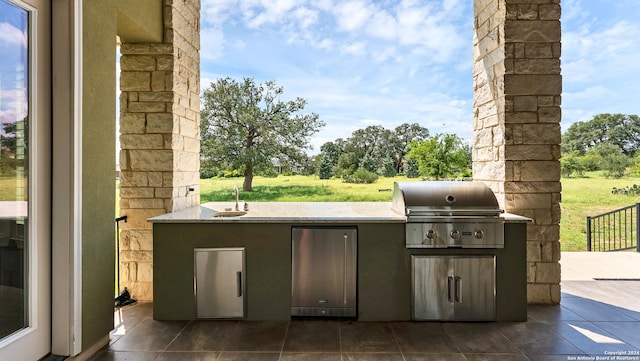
(159, 137)
(516, 141)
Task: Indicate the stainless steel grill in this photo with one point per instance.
(449, 214)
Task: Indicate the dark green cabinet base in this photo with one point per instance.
(383, 278)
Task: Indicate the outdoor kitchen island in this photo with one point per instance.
(264, 279)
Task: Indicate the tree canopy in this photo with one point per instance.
(373, 148)
(441, 156)
(246, 126)
(620, 130)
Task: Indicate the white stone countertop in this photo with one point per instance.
(278, 212)
(295, 212)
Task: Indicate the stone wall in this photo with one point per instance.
(159, 137)
(516, 142)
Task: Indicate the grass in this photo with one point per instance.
(581, 197)
(298, 189)
(588, 196)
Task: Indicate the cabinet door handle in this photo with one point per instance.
(239, 283)
(450, 284)
(344, 272)
(458, 282)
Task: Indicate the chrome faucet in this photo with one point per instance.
(235, 192)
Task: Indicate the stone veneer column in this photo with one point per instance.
(159, 137)
(516, 143)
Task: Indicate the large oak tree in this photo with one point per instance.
(620, 130)
(247, 126)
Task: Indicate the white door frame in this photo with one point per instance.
(67, 178)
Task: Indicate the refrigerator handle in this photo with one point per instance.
(344, 273)
(458, 289)
(450, 284)
(239, 283)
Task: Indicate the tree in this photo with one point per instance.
(367, 162)
(620, 130)
(441, 156)
(411, 168)
(389, 167)
(12, 139)
(400, 139)
(325, 170)
(247, 126)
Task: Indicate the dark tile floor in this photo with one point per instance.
(595, 318)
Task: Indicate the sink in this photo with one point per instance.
(229, 214)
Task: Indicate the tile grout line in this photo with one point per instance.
(395, 338)
(284, 339)
(175, 337)
(224, 345)
(340, 337)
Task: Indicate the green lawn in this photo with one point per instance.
(298, 189)
(588, 196)
(581, 197)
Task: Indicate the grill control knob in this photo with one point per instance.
(455, 234)
(431, 234)
(478, 234)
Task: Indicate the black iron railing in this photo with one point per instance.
(118, 220)
(616, 230)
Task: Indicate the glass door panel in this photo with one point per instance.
(25, 179)
(14, 173)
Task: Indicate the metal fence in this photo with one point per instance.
(616, 230)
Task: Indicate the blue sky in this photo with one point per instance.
(13, 56)
(363, 62)
(388, 62)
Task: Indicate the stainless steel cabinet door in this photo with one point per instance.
(219, 282)
(448, 288)
(432, 297)
(474, 288)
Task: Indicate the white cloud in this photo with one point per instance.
(352, 15)
(212, 43)
(10, 35)
(217, 11)
(269, 12)
(305, 17)
(357, 48)
(14, 105)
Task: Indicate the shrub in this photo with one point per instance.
(230, 173)
(361, 176)
(627, 191)
(614, 165)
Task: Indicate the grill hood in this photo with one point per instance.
(438, 198)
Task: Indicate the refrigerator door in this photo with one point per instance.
(219, 282)
(323, 271)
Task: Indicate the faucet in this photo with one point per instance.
(235, 192)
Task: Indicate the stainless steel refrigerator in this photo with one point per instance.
(324, 262)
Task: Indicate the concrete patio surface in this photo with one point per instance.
(583, 266)
(598, 319)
